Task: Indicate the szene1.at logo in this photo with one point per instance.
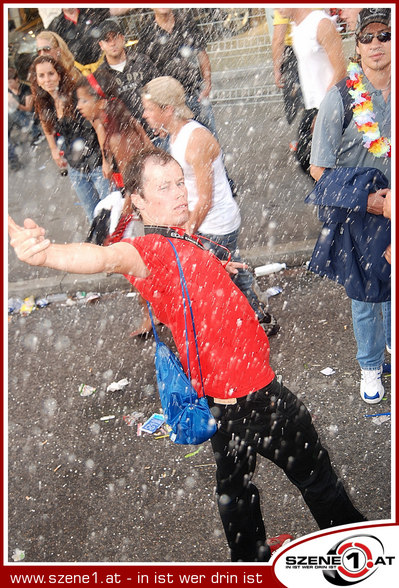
(350, 561)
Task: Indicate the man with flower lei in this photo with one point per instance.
(351, 163)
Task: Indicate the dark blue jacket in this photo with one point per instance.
(351, 245)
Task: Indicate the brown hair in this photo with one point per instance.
(124, 135)
(134, 174)
(44, 103)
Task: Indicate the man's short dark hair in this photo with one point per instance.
(134, 172)
(110, 25)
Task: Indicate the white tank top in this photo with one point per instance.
(314, 67)
(224, 215)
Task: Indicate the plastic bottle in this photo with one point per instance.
(58, 297)
(269, 268)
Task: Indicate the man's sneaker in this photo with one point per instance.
(269, 324)
(371, 388)
(276, 542)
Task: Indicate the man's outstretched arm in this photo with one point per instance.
(31, 247)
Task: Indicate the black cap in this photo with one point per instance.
(369, 15)
(110, 26)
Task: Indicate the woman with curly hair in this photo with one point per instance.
(72, 140)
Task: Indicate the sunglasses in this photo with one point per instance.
(383, 37)
(45, 49)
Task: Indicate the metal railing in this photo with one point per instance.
(239, 49)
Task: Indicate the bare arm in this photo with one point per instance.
(205, 67)
(279, 32)
(55, 152)
(330, 40)
(80, 258)
(101, 135)
(202, 150)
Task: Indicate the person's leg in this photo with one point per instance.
(101, 184)
(386, 314)
(22, 120)
(368, 328)
(85, 191)
(13, 159)
(15, 119)
(237, 497)
(293, 101)
(294, 445)
(274, 423)
(36, 130)
(305, 133)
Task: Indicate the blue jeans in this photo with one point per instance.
(12, 156)
(24, 120)
(90, 187)
(244, 279)
(275, 424)
(372, 329)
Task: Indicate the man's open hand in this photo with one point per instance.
(28, 241)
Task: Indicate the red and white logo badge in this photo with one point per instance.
(341, 558)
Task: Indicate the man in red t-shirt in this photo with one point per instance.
(255, 413)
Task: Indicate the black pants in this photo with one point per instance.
(305, 134)
(273, 423)
(293, 101)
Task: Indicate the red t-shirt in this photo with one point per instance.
(234, 350)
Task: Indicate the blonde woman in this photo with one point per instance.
(49, 43)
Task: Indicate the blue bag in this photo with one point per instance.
(185, 412)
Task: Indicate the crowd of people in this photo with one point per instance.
(135, 129)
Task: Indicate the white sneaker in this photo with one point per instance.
(371, 388)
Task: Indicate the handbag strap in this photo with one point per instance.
(157, 339)
(186, 297)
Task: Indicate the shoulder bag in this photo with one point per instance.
(186, 412)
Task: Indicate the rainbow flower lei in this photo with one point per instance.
(364, 116)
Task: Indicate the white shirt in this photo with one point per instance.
(314, 67)
(224, 215)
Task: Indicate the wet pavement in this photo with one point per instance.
(85, 488)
